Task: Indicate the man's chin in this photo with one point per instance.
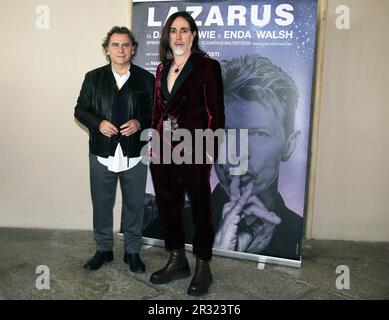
(179, 52)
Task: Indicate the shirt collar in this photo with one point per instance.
(127, 74)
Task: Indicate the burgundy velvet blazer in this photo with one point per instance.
(196, 99)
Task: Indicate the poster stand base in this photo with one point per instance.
(261, 260)
(261, 266)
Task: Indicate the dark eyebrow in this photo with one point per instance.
(124, 43)
(173, 28)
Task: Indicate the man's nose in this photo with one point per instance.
(178, 35)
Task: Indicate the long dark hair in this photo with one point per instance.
(165, 52)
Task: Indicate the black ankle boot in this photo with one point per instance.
(100, 258)
(176, 268)
(134, 261)
(202, 279)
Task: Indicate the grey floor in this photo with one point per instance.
(65, 252)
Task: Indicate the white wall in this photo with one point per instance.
(44, 153)
(351, 199)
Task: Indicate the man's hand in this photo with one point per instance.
(256, 208)
(249, 207)
(130, 127)
(256, 237)
(260, 226)
(227, 235)
(107, 128)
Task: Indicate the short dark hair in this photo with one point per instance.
(256, 78)
(165, 52)
(119, 30)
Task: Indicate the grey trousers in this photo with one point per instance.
(103, 184)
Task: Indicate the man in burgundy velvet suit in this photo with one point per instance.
(188, 95)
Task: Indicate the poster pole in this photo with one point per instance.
(321, 26)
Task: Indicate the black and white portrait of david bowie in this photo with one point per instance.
(251, 215)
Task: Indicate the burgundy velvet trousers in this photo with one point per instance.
(170, 183)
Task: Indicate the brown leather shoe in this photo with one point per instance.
(202, 279)
(176, 268)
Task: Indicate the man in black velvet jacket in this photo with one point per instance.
(115, 104)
